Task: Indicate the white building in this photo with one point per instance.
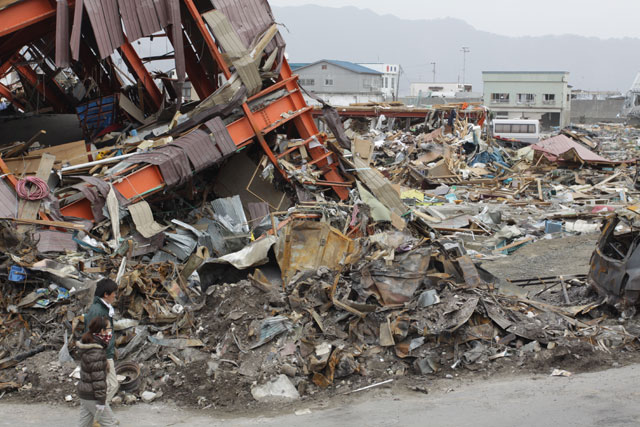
(390, 78)
(536, 95)
(440, 90)
(339, 83)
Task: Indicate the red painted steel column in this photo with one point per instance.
(4, 91)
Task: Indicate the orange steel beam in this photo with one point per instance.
(137, 67)
(304, 122)
(31, 76)
(24, 14)
(4, 91)
(140, 183)
(213, 48)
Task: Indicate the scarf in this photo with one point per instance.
(111, 310)
(105, 338)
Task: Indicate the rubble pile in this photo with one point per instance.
(308, 262)
(218, 309)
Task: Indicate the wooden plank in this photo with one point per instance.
(56, 224)
(29, 209)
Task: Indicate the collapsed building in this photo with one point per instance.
(257, 257)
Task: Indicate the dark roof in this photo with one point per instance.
(295, 65)
(343, 64)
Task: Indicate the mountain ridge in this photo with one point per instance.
(360, 35)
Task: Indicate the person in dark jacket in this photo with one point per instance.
(103, 300)
(92, 388)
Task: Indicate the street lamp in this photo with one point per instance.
(465, 50)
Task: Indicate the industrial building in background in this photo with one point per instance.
(340, 82)
(536, 95)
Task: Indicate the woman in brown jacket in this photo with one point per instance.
(92, 388)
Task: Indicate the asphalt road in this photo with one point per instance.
(609, 398)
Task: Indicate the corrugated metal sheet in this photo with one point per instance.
(558, 145)
(77, 30)
(105, 20)
(249, 18)
(62, 34)
(257, 212)
(200, 149)
(55, 241)
(221, 136)
(129, 13)
(172, 161)
(148, 18)
(8, 201)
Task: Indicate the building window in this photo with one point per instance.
(502, 114)
(567, 98)
(549, 98)
(324, 66)
(386, 82)
(186, 91)
(526, 98)
(515, 128)
(308, 82)
(393, 82)
(328, 82)
(500, 98)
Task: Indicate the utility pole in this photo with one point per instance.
(465, 50)
(434, 71)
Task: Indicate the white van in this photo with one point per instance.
(518, 129)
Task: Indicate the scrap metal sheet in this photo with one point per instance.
(200, 149)
(143, 219)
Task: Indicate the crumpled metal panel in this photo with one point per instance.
(199, 148)
(397, 283)
(309, 245)
(229, 212)
(250, 18)
(172, 161)
(221, 136)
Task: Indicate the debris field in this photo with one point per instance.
(260, 260)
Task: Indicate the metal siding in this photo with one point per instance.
(55, 241)
(162, 11)
(8, 201)
(130, 18)
(250, 18)
(221, 135)
(77, 29)
(148, 18)
(199, 148)
(62, 34)
(113, 23)
(96, 16)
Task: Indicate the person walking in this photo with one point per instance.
(92, 388)
(103, 300)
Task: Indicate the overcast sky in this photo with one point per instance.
(591, 18)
